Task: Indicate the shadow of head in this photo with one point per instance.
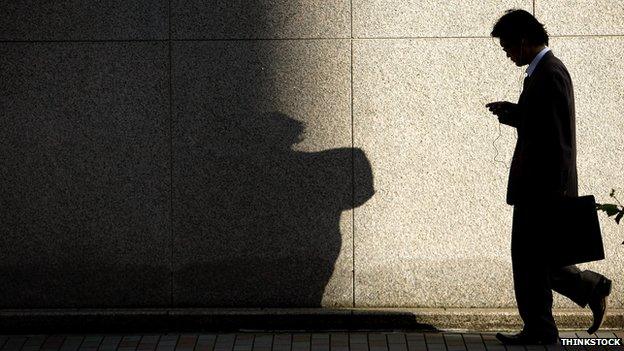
(266, 132)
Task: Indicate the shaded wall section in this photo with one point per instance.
(85, 174)
(178, 154)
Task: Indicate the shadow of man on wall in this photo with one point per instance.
(266, 217)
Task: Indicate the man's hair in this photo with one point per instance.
(516, 25)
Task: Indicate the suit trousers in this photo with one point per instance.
(534, 280)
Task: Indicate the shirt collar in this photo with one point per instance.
(536, 60)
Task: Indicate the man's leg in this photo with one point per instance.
(586, 288)
(531, 275)
(574, 284)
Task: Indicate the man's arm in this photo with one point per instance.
(551, 125)
(549, 135)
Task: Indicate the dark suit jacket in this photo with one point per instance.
(544, 161)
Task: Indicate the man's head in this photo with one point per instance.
(520, 35)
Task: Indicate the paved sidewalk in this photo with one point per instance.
(284, 341)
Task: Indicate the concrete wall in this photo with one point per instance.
(279, 153)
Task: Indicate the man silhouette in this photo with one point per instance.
(543, 170)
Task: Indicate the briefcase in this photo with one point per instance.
(575, 236)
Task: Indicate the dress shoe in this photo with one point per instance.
(598, 303)
(523, 338)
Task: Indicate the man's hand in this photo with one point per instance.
(501, 108)
(505, 110)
